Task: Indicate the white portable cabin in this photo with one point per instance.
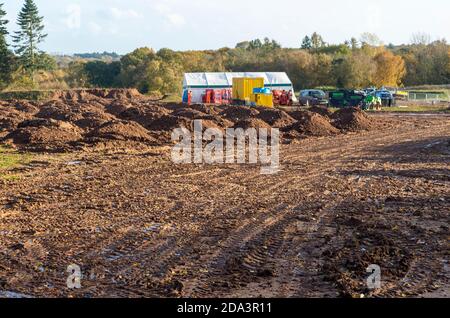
(198, 83)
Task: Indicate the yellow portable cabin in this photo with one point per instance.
(243, 87)
(265, 100)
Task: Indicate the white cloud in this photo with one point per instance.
(124, 14)
(73, 16)
(94, 27)
(175, 19)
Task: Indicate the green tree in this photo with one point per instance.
(102, 74)
(317, 41)
(306, 43)
(6, 56)
(76, 76)
(28, 38)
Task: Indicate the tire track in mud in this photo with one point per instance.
(263, 240)
(254, 232)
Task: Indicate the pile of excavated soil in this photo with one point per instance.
(252, 123)
(310, 124)
(238, 113)
(124, 94)
(351, 119)
(45, 135)
(276, 118)
(321, 110)
(169, 123)
(219, 121)
(188, 113)
(207, 109)
(93, 117)
(118, 106)
(143, 115)
(120, 130)
(92, 120)
(26, 107)
(10, 118)
(87, 95)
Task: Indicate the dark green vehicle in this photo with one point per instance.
(346, 98)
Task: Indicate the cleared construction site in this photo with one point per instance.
(97, 188)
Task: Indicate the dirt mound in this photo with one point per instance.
(219, 121)
(120, 130)
(169, 123)
(25, 106)
(74, 112)
(174, 106)
(238, 113)
(321, 110)
(207, 109)
(276, 118)
(93, 119)
(310, 124)
(124, 94)
(45, 135)
(144, 115)
(10, 118)
(188, 113)
(351, 119)
(117, 107)
(74, 96)
(252, 123)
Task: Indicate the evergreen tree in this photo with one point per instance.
(30, 36)
(306, 43)
(6, 58)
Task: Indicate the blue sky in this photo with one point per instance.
(123, 25)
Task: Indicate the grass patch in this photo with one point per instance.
(172, 98)
(9, 159)
(417, 109)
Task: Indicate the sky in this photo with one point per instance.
(78, 26)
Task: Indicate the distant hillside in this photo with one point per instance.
(98, 56)
(64, 60)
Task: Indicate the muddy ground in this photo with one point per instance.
(102, 193)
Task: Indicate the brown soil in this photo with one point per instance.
(276, 118)
(238, 113)
(169, 123)
(252, 123)
(321, 110)
(310, 124)
(120, 130)
(351, 119)
(139, 225)
(45, 135)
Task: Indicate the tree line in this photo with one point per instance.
(356, 63)
(21, 63)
